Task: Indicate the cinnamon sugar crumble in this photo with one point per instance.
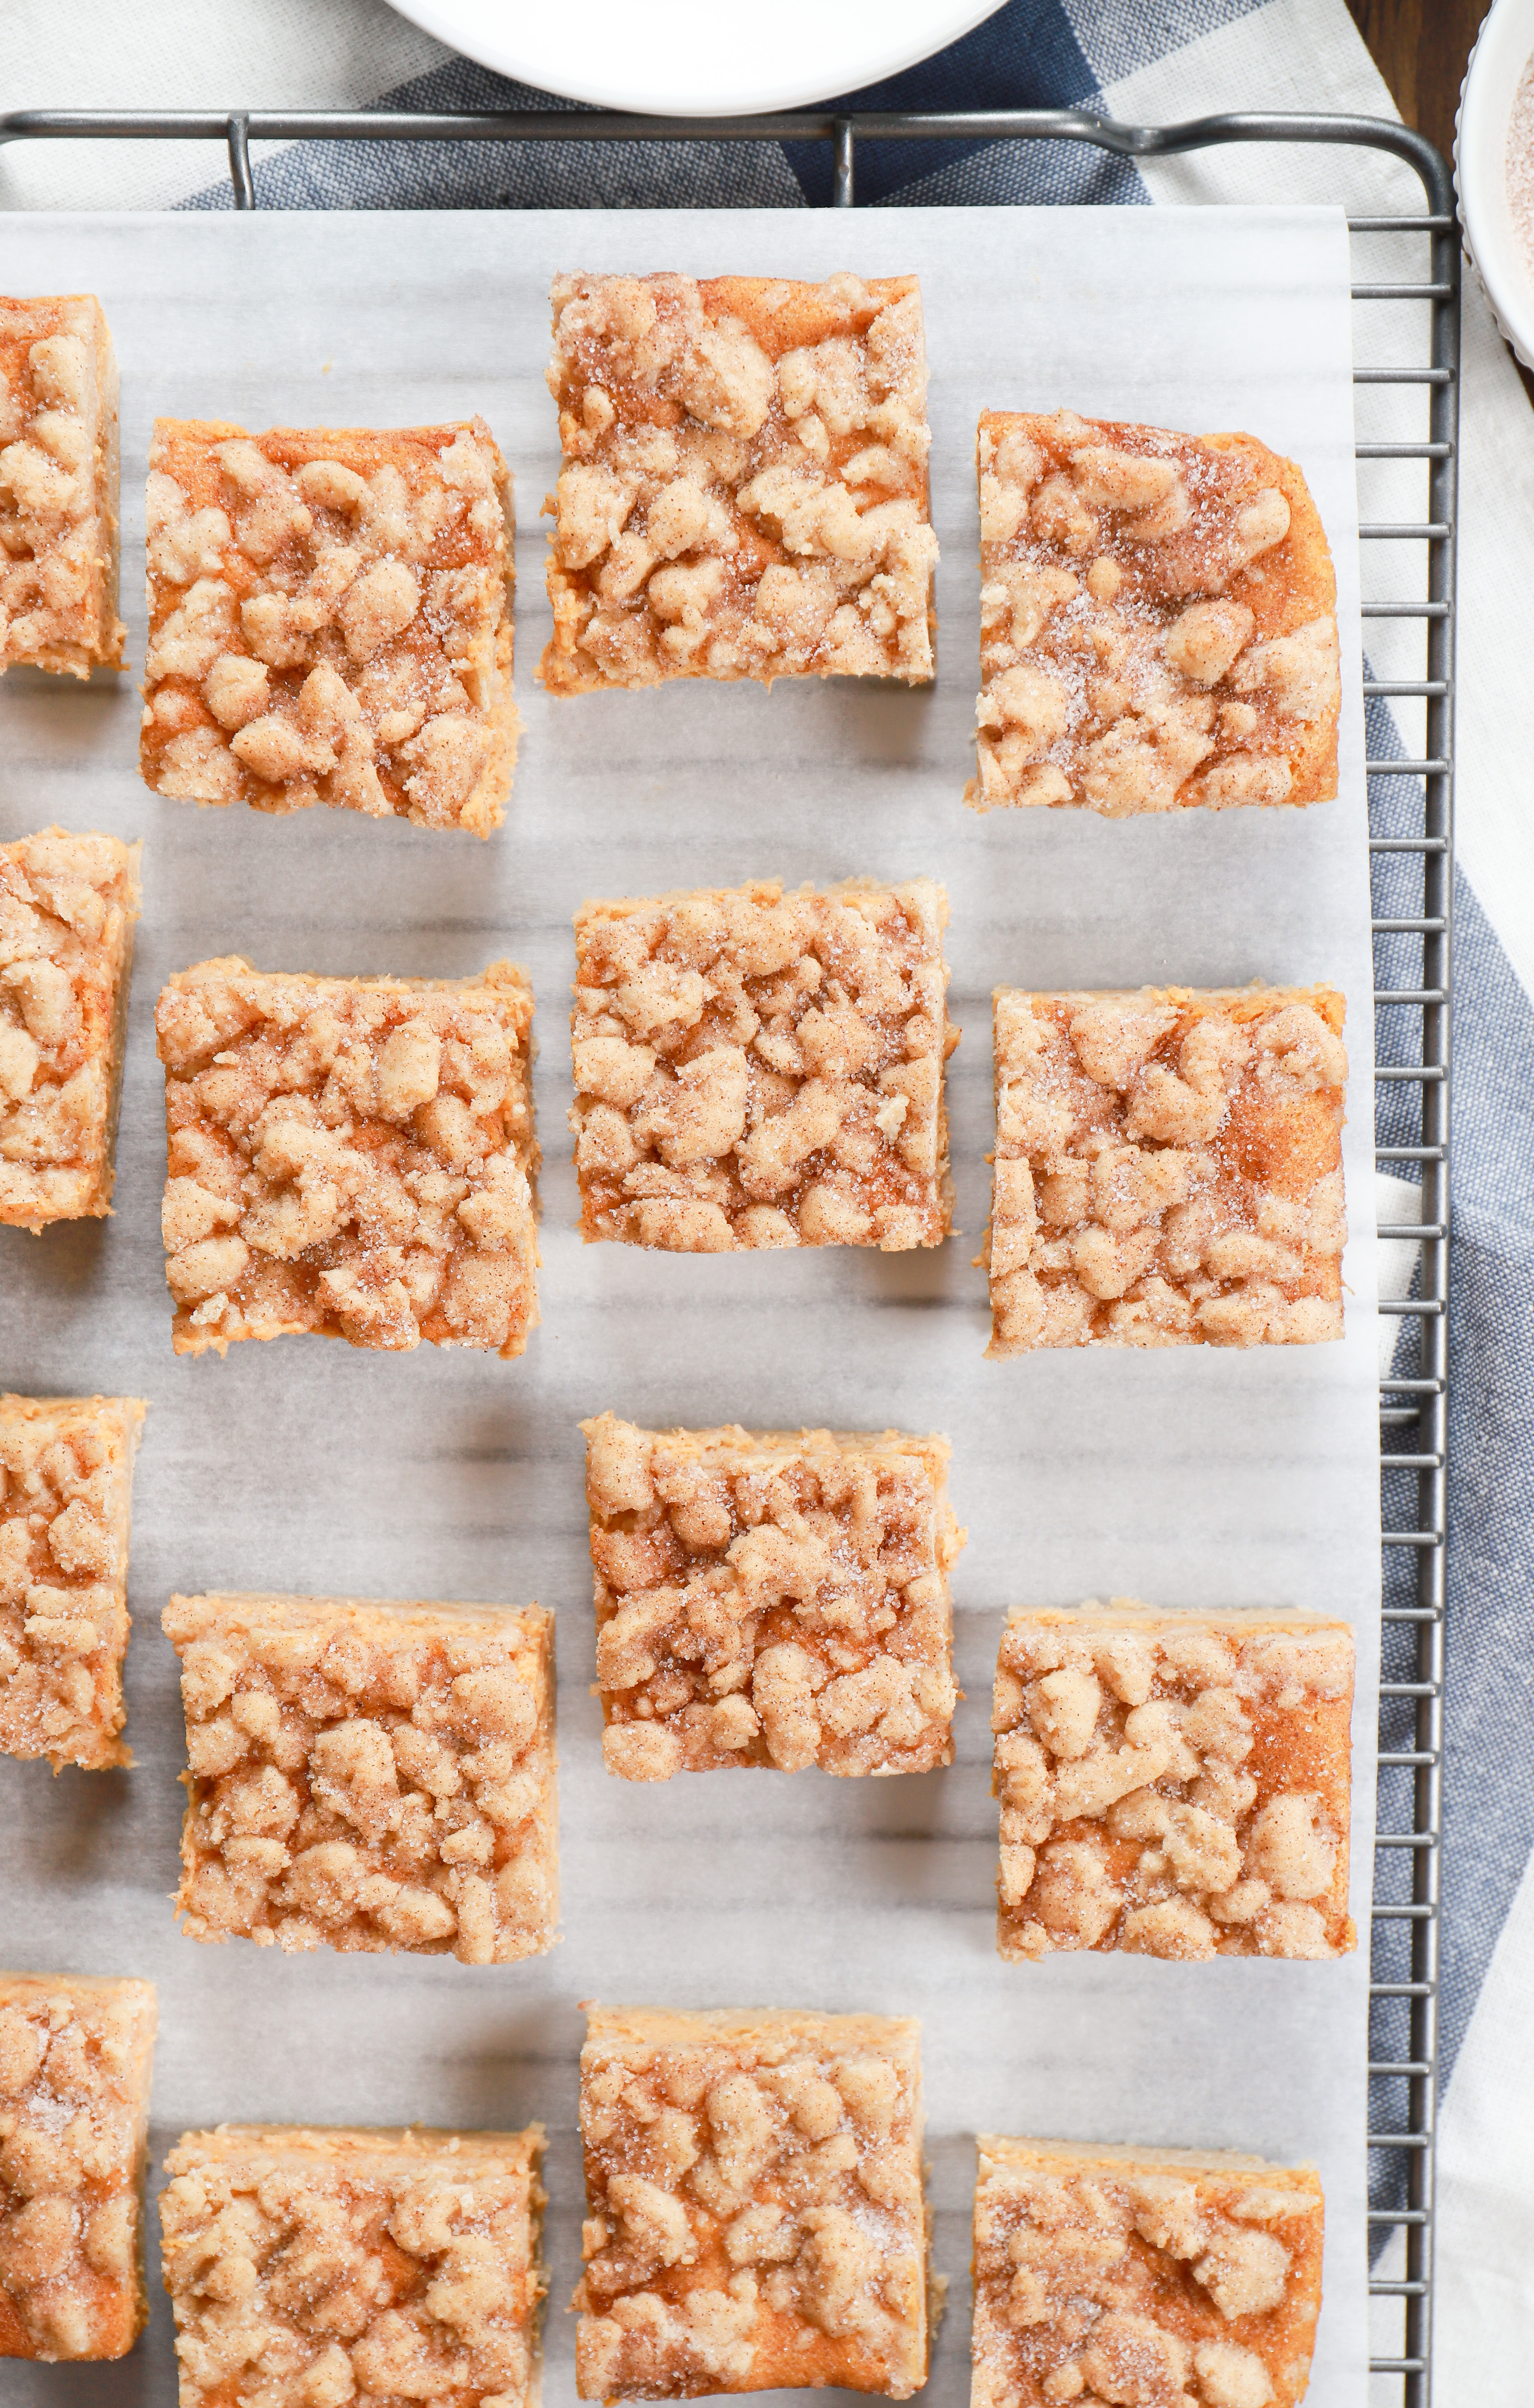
(756, 1069)
(1167, 2277)
(311, 2268)
(330, 621)
(1520, 165)
(350, 1157)
(1173, 1784)
(771, 1599)
(58, 486)
(73, 2107)
(65, 1495)
(67, 909)
(368, 1776)
(744, 489)
(1167, 1169)
(1158, 621)
(754, 2211)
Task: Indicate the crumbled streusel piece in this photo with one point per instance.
(756, 1069)
(1174, 1784)
(744, 489)
(75, 2060)
(366, 1776)
(311, 2268)
(770, 1599)
(65, 1497)
(1157, 621)
(58, 486)
(330, 621)
(754, 2212)
(1170, 2278)
(1168, 1168)
(350, 1157)
(67, 907)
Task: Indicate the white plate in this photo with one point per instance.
(693, 58)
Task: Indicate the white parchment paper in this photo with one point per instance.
(1198, 1477)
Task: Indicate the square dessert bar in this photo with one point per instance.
(1179, 2277)
(744, 487)
(353, 1158)
(67, 907)
(65, 1498)
(1175, 1785)
(756, 1069)
(754, 2216)
(330, 621)
(366, 1776)
(58, 486)
(309, 2268)
(1157, 621)
(770, 1597)
(1168, 1168)
(75, 2054)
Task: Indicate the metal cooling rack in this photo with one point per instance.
(1411, 823)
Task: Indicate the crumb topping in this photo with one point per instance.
(1174, 1785)
(311, 2268)
(67, 907)
(66, 1486)
(756, 1069)
(744, 488)
(330, 621)
(74, 2097)
(58, 486)
(1157, 621)
(771, 1600)
(1167, 2283)
(366, 1776)
(1168, 1168)
(351, 1157)
(754, 2211)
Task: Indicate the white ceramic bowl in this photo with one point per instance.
(1501, 54)
(697, 58)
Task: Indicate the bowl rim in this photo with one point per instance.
(1496, 66)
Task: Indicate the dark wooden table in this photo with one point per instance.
(1420, 47)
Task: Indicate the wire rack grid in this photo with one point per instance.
(1411, 841)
